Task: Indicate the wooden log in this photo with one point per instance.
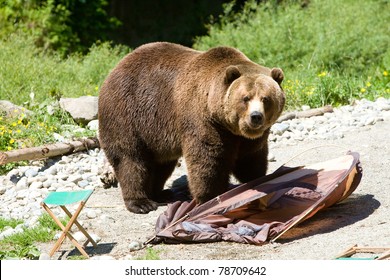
(49, 150)
(305, 114)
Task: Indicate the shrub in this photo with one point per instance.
(348, 40)
(62, 25)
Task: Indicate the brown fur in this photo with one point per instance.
(164, 100)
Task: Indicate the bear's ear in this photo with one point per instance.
(231, 74)
(277, 75)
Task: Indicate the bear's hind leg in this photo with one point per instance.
(134, 177)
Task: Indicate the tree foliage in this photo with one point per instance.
(62, 25)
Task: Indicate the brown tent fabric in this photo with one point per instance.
(264, 209)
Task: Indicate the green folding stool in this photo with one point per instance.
(62, 199)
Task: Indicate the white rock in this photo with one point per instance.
(271, 157)
(52, 170)
(135, 246)
(7, 232)
(91, 214)
(79, 236)
(369, 121)
(93, 125)
(22, 194)
(22, 184)
(83, 183)
(35, 194)
(74, 178)
(95, 237)
(280, 128)
(36, 185)
(47, 184)
(44, 257)
(31, 173)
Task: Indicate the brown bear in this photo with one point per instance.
(165, 100)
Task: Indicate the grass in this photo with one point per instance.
(332, 52)
(27, 71)
(22, 245)
(150, 254)
(9, 223)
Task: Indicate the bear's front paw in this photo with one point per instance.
(141, 206)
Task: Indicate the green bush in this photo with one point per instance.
(346, 39)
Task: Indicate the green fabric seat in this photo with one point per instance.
(65, 198)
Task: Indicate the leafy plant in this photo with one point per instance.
(22, 245)
(307, 40)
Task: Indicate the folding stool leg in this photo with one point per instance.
(65, 231)
(58, 222)
(80, 227)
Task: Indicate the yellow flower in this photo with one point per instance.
(9, 148)
(11, 141)
(368, 84)
(385, 73)
(14, 124)
(19, 121)
(322, 74)
(18, 131)
(362, 90)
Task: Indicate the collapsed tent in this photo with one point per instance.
(264, 209)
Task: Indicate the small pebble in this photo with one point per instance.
(135, 246)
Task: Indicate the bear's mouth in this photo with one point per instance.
(251, 131)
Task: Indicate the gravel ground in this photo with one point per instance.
(361, 219)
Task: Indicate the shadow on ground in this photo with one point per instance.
(102, 249)
(353, 209)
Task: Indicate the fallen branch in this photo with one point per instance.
(305, 114)
(49, 150)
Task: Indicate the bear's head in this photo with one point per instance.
(253, 101)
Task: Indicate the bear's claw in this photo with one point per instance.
(141, 206)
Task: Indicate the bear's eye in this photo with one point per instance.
(265, 99)
(246, 99)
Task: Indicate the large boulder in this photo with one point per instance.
(10, 110)
(83, 109)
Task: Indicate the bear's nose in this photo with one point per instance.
(257, 118)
